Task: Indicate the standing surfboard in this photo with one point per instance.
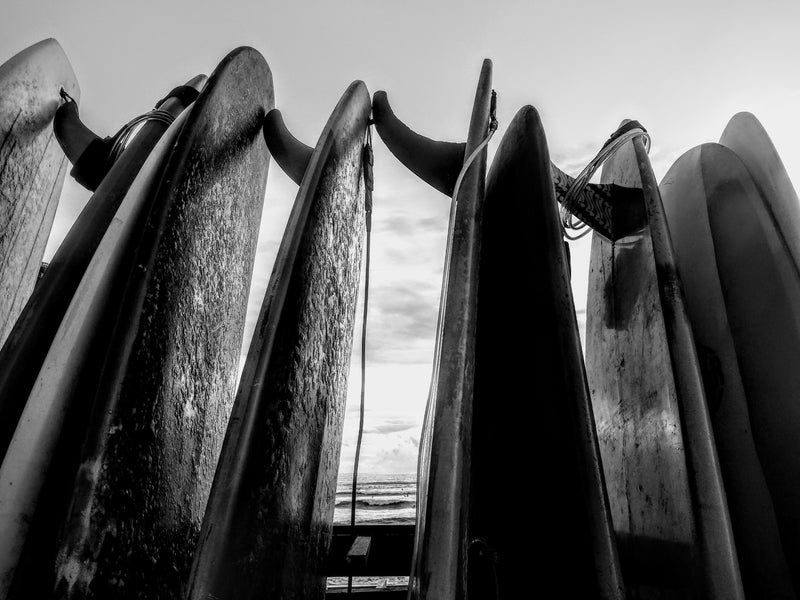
(269, 519)
(760, 286)
(29, 341)
(38, 473)
(529, 373)
(745, 135)
(700, 181)
(441, 545)
(664, 483)
(33, 167)
(168, 381)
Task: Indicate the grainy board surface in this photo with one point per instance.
(167, 388)
(269, 520)
(32, 167)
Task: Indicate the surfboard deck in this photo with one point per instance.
(760, 285)
(269, 519)
(527, 331)
(28, 342)
(703, 177)
(32, 167)
(40, 467)
(167, 386)
(745, 135)
(664, 483)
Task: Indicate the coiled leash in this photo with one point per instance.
(626, 133)
(367, 161)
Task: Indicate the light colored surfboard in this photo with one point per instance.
(665, 487)
(269, 518)
(35, 440)
(32, 167)
(745, 135)
(703, 177)
(761, 288)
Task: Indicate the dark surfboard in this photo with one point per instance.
(700, 181)
(29, 341)
(663, 476)
(529, 364)
(269, 519)
(441, 538)
(168, 381)
(32, 168)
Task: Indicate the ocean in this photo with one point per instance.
(380, 500)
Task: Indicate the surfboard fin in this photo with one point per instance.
(290, 153)
(436, 163)
(84, 148)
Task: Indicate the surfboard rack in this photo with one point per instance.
(290, 153)
(613, 211)
(436, 163)
(370, 551)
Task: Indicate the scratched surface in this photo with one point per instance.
(166, 392)
(32, 168)
(636, 409)
(269, 519)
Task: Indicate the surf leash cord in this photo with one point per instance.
(625, 133)
(491, 129)
(368, 160)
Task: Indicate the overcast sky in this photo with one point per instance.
(682, 68)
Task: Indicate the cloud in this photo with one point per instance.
(390, 424)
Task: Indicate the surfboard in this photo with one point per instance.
(32, 167)
(37, 474)
(745, 135)
(27, 344)
(662, 473)
(704, 177)
(441, 543)
(167, 384)
(269, 519)
(527, 332)
(759, 282)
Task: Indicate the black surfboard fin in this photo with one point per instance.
(436, 163)
(84, 148)
(290, 153)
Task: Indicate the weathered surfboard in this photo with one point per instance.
(441, 545)
(38, 473)
(28, 342)
(745, 135)
(527, 332)
(707, 176)
(167, 384)
(269, 518)
(664, 483)
(32, 167)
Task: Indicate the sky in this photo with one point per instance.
(681, 68)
